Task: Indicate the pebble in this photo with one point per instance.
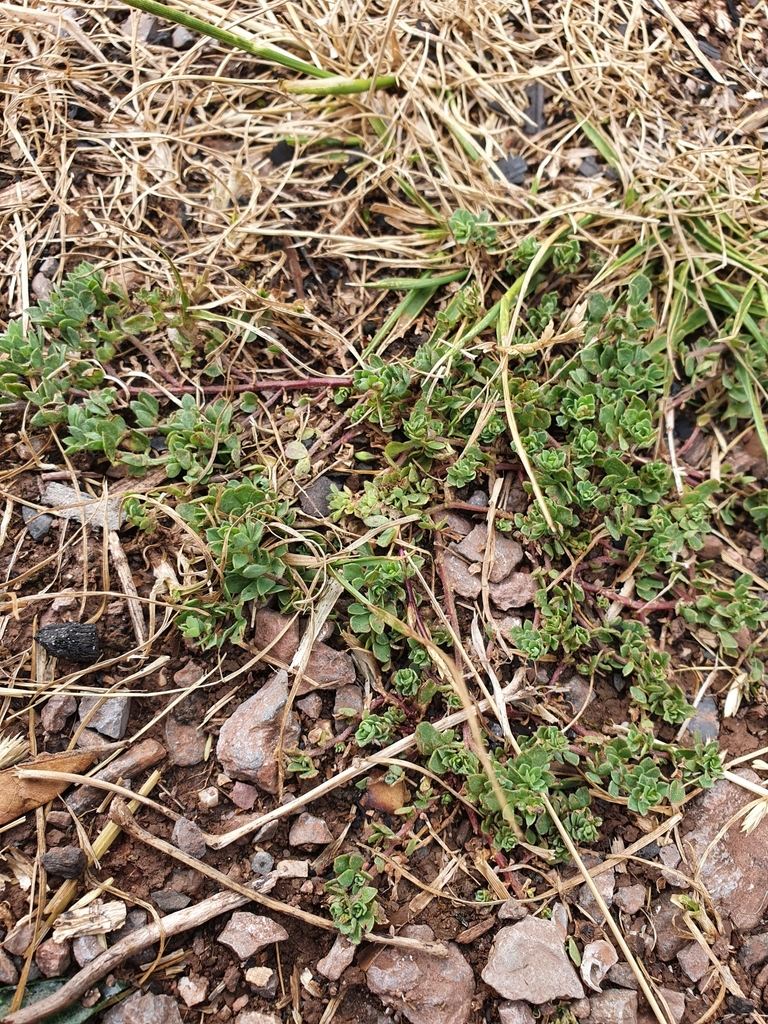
(515, 1013)
(675, 1001)
(528, 961)
(38, 523)
(668, 926)
(576, 693)
(338, 959)
(53, 958)
(424, 989)
(181, 38)
(753, 952)
(262, 863)
(189, 674)
(264, 981)
(348, 698)
(186, 744)
(245, 934)
(458, 577)
(670, 858)
(605, 884)
(19, 937)
(152, 1009)
(623, 976)
(169, 900)
(208, 798)
(111, 719)
(514, 168)
(311, 705)
(308, 830)
(512, 910)
(292, 869)
(630, 898)
(243, 796)
(188, 838)
(8, 973)
(257, 1017)
(249, 740)
(144, 26)
(518, 590)
(734, 872)
(56, 712)
(706, 721)
(71, 504)
(507, 554)
(326, 666)
(65, 861)
(193, 989)
(694, 961)
(314, 497)
(86, 948)
(615, 1006)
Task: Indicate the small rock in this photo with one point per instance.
(65, 861)
(262, 863)
(313, 498)
(478, 499)
(193, 989)
(249, 740)
(189, 674)
(73, 641)
(458, 524)
(694, 961)
(19, 937)
(576, 693)
(711, 549)
(515, 1013)
(71, 504)
(528, 961)
(326, 667)
(518, 590)
(136, 918)
(615, 1006)
(424, 989)
(86, 948)
(675, 1001)
(186, 744)
(59, 819)
(186, 836)
(208, 798)
(753, 952)
(670, 857)
(38, 523)
(507, 554)
(169, 901)
(256, 1017)
(458, 577)
(580, 1008)
(668, 926)
(181, 38)
(292, 869)
(264, 981)
(623, 976)
(380, 796)
(512, 910)
(111, 719)
(243, 796)
(151, 1009)
(514, 168)
(57, 710)
(8, 973)
(630, 899)
(246, 934)
(348, 698)
(308, 830)
(143, 24)
(311, 705)
(340, 956)
(42, 287)
(604, 883)
(53, 958)
(706, 720)
(589, 167)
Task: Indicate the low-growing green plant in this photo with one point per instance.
(353, 904)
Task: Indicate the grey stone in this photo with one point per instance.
(41, 286)
(615, 1006)
(309, 830)
(262, 863)
(528, 961)
(168, 900)
(753, 952)
(38, 523)
(181, 38)
(424, 989)
(512, 910)
(313, 498)
(8, 973)
(507, 554)
(348, 698)
(735, 869)
(65, 861)
(249, 740)
(338, 959)
(193, 989)
(326, 667)
(514, 168)
(245, 934)
(576, 693)
(186, 836)
(669, 928)
(670, 857)
(515, 1013)
(69, 504)
(622, 975)
(518, 590)
(706, 720)
(186, 744)
(86, 948)
(589, 167)
(53, 958)
(694, 961)
(675, 1001)
(151, 1009)
(311, 705)
(630, 898)
(458, 577)
(605, 884)
(111, 719)
(57, 710)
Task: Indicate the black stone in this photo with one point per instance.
(282, 153)
(75, 641)
(65, 861)
(513, 168)
(38, 523)
(169, 900)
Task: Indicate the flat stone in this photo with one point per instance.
(614, 1006)
(193, 989)
(94, 512)
(675, 1001)
(249, 741)
(56, 711)
(168, 900)
(669, 928)
(458, 524)
(246, 934)
(311, 705)
(8, 973)
(753, 952)
(244, 796)
(507, 554)
(338, 959)
(181, 38)
(630, 898)
(528, 961)
(424, 989)
(186, 744)
(458, 577)
(517, 590)
(186, 836)
(308, 830)
(53, 958)
(706, 721)
(348, 698)
(189, 674)
(263, 980)
(313, 498)
(262, 863)
(65, 861)
(326, 666)
(512, 910)
(257, 1017)
(514, 168)
(19, 937)
(670, 858)
(135, 760)
(605, 884)
(151, 1009)
(694, 961)
(576, 693)
(735, 870)
(111, 719)
(515, 1013)
(208, 798)
(85, 948)
(623, 976)
(38, 523)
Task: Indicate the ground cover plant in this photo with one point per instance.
(576, 367)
